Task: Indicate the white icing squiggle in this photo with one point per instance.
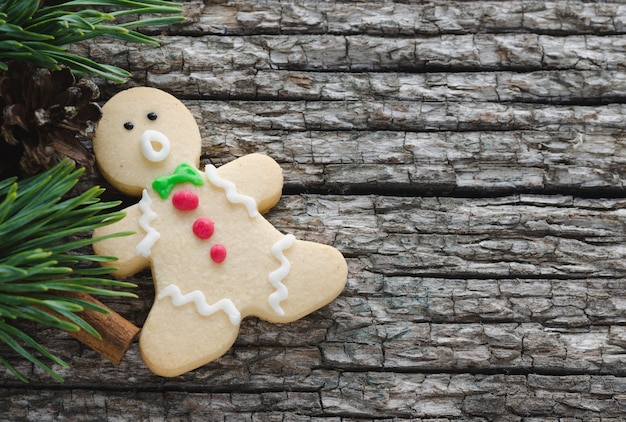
(152, 235)
(203, 308)
(231, 191)
(276, 277)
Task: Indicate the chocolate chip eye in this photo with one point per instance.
(129, 125)
(152, 116)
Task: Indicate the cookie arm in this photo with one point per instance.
(128, 262)
(257, 176)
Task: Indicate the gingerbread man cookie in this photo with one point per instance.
(214, 258)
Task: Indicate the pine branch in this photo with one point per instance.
(41, 35)
(40, 258)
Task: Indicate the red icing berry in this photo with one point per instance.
(218, 253)
(185, 200)
(203, 228)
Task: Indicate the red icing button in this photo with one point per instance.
(203, 228)
(185, 200)
(218, 253)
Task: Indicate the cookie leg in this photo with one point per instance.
(177, 339)
(317, 275)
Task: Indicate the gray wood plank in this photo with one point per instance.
(363, 53)
(402, 18)
(356, 396)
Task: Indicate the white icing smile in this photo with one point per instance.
(155, 146)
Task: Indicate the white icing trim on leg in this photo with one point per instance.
(231, 191)
(203, 308)
(276, 277)
(147, 216)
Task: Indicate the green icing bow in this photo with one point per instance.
(163, 185)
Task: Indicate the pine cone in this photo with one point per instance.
(45, 116)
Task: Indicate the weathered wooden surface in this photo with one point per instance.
(468, 160)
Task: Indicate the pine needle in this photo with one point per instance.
(41, 35)
(42, 237)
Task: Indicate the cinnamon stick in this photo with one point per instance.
(117, 332)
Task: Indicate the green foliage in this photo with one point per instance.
(41, 35)
(40, 255)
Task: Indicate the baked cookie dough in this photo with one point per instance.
(214, 258)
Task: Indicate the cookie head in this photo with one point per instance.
(144, 132)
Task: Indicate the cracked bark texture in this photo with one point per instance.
(467, 157)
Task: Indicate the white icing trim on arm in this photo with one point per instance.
(276, 277)
(203, 308)
(231, 191)
(147, 215)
